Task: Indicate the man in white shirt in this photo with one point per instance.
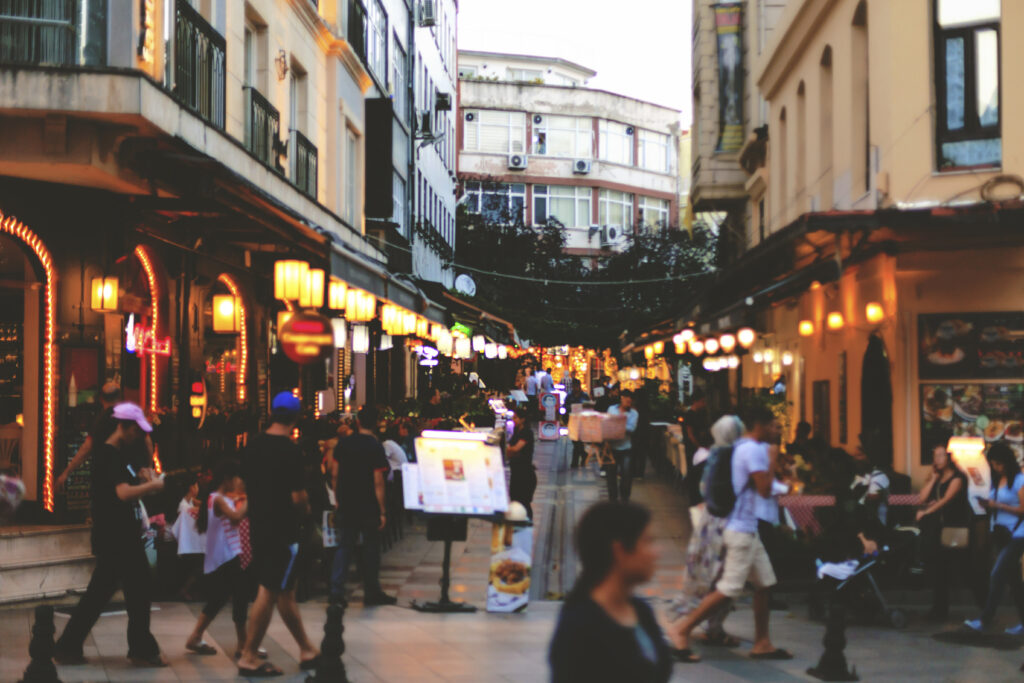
(745, 556)
(547, 382)
(623, 450)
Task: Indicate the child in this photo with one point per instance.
(219, 520)
(191, 543)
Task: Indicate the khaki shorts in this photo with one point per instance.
(745, 559)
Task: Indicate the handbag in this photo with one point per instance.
(955, 537)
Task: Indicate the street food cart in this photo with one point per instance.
(597, 431)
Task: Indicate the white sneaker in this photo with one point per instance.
(1017, 630)
(974, 624)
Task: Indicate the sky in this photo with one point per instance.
(639, 48)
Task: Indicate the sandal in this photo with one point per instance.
(777, 653)
(686, 656)
(264, 670)
(719, 640)
(261, 653)
(202, 648)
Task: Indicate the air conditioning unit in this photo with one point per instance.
(427, 15)
(517, 162)
(443, 101)
(426, 123)
(610, 236)
(629, 130)
(538, 119)
(581, 166)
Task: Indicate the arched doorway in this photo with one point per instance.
(28, 303)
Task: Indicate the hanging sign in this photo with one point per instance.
(306, 338)
(728, 25)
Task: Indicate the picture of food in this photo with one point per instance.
(994, 333)
(510, 576)
(938, 404)
(967, 402)
(975, 476)
(992, 359)
(995, 430)
(454, 471)
(950, 329)
(1014, 431)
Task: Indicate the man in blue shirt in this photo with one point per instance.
(623, 450)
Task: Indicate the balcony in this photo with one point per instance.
(262, 127)
(199, 66)
(304, 160)
(38, 32)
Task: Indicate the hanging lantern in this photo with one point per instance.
(336, 292)
(226, 313)
(696, 347)
(769, 355)
(649, 352)
(340, 330)
(728, 342)
(479, 341)
(634, 374)
(758, 357)
(360, 339)
(422, 328)
(787, 358)
(711, 345)
(385, 343)
(104, 294)
(289, 276)
(490, 350)
(680, 348)
(734, 362)
(502, 352)
(806, 328)
(874, 313)
(659, 348)
(445, 343)
(463, 348)
(835, 321)
(746, 337)
(686, 335)
(311, 289)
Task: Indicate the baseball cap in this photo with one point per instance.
(286, 402)
(130, 411)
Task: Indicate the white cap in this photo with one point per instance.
(130, 411)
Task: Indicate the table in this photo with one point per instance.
(602, 452)
(801, 508)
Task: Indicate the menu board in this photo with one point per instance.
(994, 412)
(971, 346)
(460, 474)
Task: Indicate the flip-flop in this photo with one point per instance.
(722, 640)
(261, 653)
(264, 670)
(203, 648)
(309, 664)
(686, 656)
(777, 653)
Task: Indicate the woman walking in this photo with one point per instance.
(219, 520)
(943, 516)
(605, 633)
(705, 554)
(1007, 508)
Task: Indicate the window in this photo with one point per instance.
(616, 142)
(615, 209)
(398, 204)
(800, 133)
(525, 75)
(654, 212)
(563, 136)
(467, 72)
(860, 138)
(351, 177)
(779, 171)
(825, 145)
(570, 206)
(967, 83)
(499, 203)
(501, 132)
(654, 151)
(377, 39)
(400, 81)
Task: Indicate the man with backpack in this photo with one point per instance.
(750, 468)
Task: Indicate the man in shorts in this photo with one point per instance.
(745, 556)
(272, 470)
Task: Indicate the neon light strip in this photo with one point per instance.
(13, 226)
(154, 297)
(243, 337)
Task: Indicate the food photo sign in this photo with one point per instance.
(993, 412)
(971, 346)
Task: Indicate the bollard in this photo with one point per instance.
(832, 665)
(40, 649)
(329, 667)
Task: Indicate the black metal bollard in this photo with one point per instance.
(832, 665)
(329, 667)
(40, 649)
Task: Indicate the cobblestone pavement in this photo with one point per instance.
(399, 644)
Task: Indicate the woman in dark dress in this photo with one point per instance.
(605, 634)
(944, 505)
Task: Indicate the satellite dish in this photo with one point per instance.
(464, 285)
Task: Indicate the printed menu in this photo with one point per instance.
(460, 475)
(994, 412)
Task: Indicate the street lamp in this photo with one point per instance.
(226, 313)
(104, 294)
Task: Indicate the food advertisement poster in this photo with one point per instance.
(971, 346)
(994, 412)
(508, 587)
(459, 475)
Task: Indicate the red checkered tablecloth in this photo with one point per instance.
(801, 508)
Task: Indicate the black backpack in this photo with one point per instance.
(716, 484)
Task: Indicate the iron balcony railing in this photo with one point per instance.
(304, 160)
(38, 32)
(262, 127)
(199, 64)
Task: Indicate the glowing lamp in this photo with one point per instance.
(696, 347)
(769, 355)
(502, 352)
(463, 348)
(712, 346)
(728, 342)
(445, 343)
(659, 348)
(422, 328)
(746, 337)
(360, 339)
(835, 321)
(649, 352)
(680, 348)
(634, 374)
(806, 328)
(687, 335)
(733, 362)
(709, 365)
(491, 350)
(479, 342)
(288, 278)
(385, 343)
(226, 313)
(311, 289)
(336, 292)
(787, 358)
(340, 331)
(874, 313)
(758, 357)
(104, 294)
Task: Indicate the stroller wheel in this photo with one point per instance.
(897, 618)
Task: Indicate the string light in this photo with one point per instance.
(243, 337)
(12, 226)
(154, 297)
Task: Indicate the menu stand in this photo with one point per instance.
(447, 528)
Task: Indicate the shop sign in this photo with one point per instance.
(197, 402)
(306, 338)
(462, 329)
(140, 340)
(971, 346)
(428, 355)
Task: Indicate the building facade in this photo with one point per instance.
(537, 145)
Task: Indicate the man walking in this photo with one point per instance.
(272, 471)
(531, 387)
(522, 472)
(576, 396)
(623, 450)
(745, 556)
(117, 543)
(360, 467)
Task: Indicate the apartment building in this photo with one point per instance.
(537, 145)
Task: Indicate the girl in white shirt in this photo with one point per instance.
(191, 543)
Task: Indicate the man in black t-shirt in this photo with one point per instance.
(272, 471)
(360, 470)
(519, 453)
(117, 543)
